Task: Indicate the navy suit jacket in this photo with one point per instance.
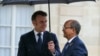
(28, 45)
(75, 48)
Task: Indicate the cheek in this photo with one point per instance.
(65, 31)
(43, 25)
(68, 31)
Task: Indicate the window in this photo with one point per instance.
(14, 21)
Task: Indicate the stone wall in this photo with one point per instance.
(87, 13)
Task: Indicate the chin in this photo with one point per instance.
(65, 36)
(42, 30)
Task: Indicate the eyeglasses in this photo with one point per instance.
(66, 27)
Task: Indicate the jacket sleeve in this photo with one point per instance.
(80, 50)
(21, 48)
(57, 52)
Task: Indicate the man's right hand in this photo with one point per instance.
(51, 47)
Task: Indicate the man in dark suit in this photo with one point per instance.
(74, 46)
(39, 42)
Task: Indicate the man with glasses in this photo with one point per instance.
(74, 46)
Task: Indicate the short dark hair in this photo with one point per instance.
(35, 14)
(75, 24)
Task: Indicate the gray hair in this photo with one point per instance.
(75, 24)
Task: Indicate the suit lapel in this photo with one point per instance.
(67, 49)
(45, 37)
(72, 43)
(33, 40)
(75, 39)
(32, 37)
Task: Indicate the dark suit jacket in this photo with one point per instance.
(75, 48)
(28, 45)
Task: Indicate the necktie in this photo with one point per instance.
(65, 48)
(39, 41)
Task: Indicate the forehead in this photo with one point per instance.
(40, 16)
(68, 23)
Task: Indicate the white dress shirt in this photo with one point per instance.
(69, 41)
(36, 36)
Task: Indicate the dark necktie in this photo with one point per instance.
(65, 48)
(39, 41)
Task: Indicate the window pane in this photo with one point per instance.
(3, 51)
(5, 35)
(23, 15)
(5, 15)
(19, 32)
(16, 51)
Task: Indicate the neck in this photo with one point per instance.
(71, 36)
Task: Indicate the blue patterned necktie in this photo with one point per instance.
(39, 41)
(65, 48)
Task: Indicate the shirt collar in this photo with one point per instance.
(69, 41)
(36, 37)
(37, 32)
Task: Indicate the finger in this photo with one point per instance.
(50, 42)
